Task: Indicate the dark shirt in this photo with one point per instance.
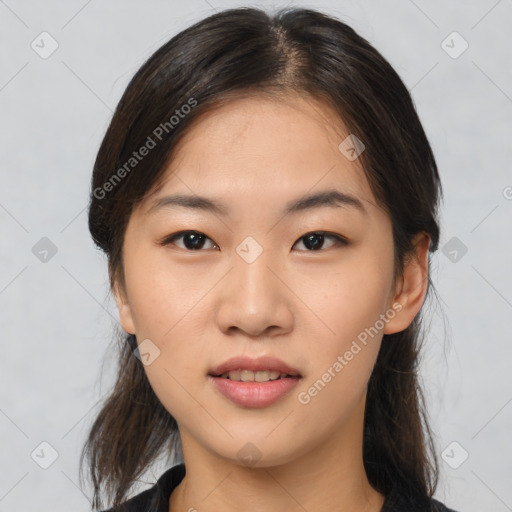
(156, 498)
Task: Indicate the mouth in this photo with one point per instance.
(254, 383)
(261, 369)
(258, 376)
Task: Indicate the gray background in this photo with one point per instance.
(57, 316)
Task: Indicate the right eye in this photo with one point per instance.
(192, 240)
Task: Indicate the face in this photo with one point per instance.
(262, 275)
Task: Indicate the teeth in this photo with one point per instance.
(250, 376)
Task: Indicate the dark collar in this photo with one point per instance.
(156, 498)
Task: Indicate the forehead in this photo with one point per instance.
(264, 150)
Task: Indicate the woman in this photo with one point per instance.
(267, 199)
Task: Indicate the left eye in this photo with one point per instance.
(195, 240)
(315, 240)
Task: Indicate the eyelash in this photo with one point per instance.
(340, 241)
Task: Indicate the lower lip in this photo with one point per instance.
(254, 394)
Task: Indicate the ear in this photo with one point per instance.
(411, 286)
(123, 306)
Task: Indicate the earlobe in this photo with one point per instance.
(123, 307)
(412, 286)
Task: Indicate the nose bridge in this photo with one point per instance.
(252, 262)
(254, 298)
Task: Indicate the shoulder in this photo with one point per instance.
(156, 498)
(402, 500)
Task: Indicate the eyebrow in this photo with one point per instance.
(329, 198)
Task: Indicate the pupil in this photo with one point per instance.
(196, 241)
(310, 241)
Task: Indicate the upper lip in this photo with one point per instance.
(254, 364)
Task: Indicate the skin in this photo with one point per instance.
(201, 307)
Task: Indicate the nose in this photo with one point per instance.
(256, 298)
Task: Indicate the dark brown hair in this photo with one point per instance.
(246, 51)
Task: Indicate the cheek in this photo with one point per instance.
(345, 344)
(352, 299)
(169, 309)
(161, 298)
(342, 358)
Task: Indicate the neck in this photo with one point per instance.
(325, 478)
